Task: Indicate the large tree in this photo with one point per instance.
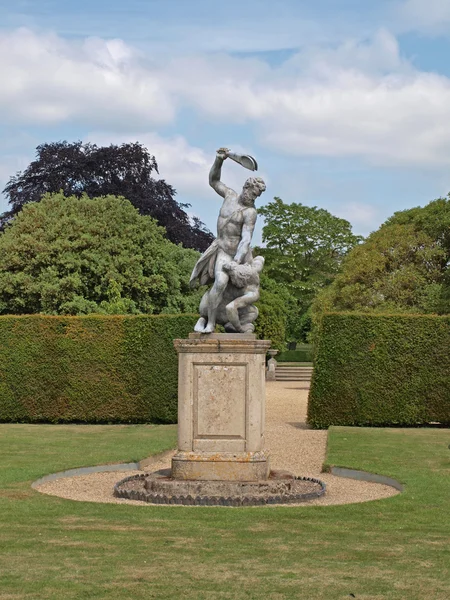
(69, 255)
(304, 250)
(127, 170)
(402, 267)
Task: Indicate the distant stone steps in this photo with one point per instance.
(291, 373)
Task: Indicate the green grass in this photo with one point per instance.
(397, 548)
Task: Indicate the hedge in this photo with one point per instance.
(381, 370)
(91, 369)
(304, 354)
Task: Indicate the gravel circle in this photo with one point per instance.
(292, 447)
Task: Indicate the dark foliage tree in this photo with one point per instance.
(126, 170)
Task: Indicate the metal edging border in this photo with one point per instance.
(86, 471)
(366, 476)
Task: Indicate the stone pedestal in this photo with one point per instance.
(221, 408)
(271, 366)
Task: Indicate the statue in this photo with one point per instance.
(236, 310)
(228, 263)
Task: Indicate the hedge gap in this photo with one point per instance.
(90, 369)
(381, 370)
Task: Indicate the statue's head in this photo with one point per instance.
(253, 187)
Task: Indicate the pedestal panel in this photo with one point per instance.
(219, 401)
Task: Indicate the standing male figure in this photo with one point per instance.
(235, 227)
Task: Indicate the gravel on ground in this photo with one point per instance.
(292, 447)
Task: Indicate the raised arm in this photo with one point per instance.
(215, 172)
(246, 235)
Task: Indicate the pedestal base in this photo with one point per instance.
(221, 466)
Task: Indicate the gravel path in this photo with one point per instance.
(292, 446)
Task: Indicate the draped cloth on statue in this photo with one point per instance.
(203, 272)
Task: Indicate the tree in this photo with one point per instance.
(274, 306)
(304, 250)
(433, 219)
(402, 267)
(127, 170)
(70, 255)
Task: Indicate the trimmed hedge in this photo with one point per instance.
(301, 355)
(381, 370)
(90, 369)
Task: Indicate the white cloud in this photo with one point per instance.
(50, 80)
(376, 55)
(394, 119)
(361, 99)
(183, 166)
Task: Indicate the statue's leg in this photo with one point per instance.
(216, 292)
(233, 315)
(215, 295)
(247, 316)
(239, 303)
(201, 323)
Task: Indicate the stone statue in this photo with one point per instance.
(228, 263)
(236, 310)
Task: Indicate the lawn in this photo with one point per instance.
(396, 548)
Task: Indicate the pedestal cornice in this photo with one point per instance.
(222, 343)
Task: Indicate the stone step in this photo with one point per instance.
(280, 375)
(296, 369)
(293, 373)
(283, 373)
(291, 378)
(309, 373)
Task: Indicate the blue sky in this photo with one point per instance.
(345, 104)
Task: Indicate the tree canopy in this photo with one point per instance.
(126, 170)
(275, 306)
(402, 267)
(70, 255)
(304, 250)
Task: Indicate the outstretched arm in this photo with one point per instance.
(214, 174)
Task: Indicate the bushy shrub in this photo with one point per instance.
(81, 255)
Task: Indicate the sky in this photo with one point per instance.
(345, 104)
